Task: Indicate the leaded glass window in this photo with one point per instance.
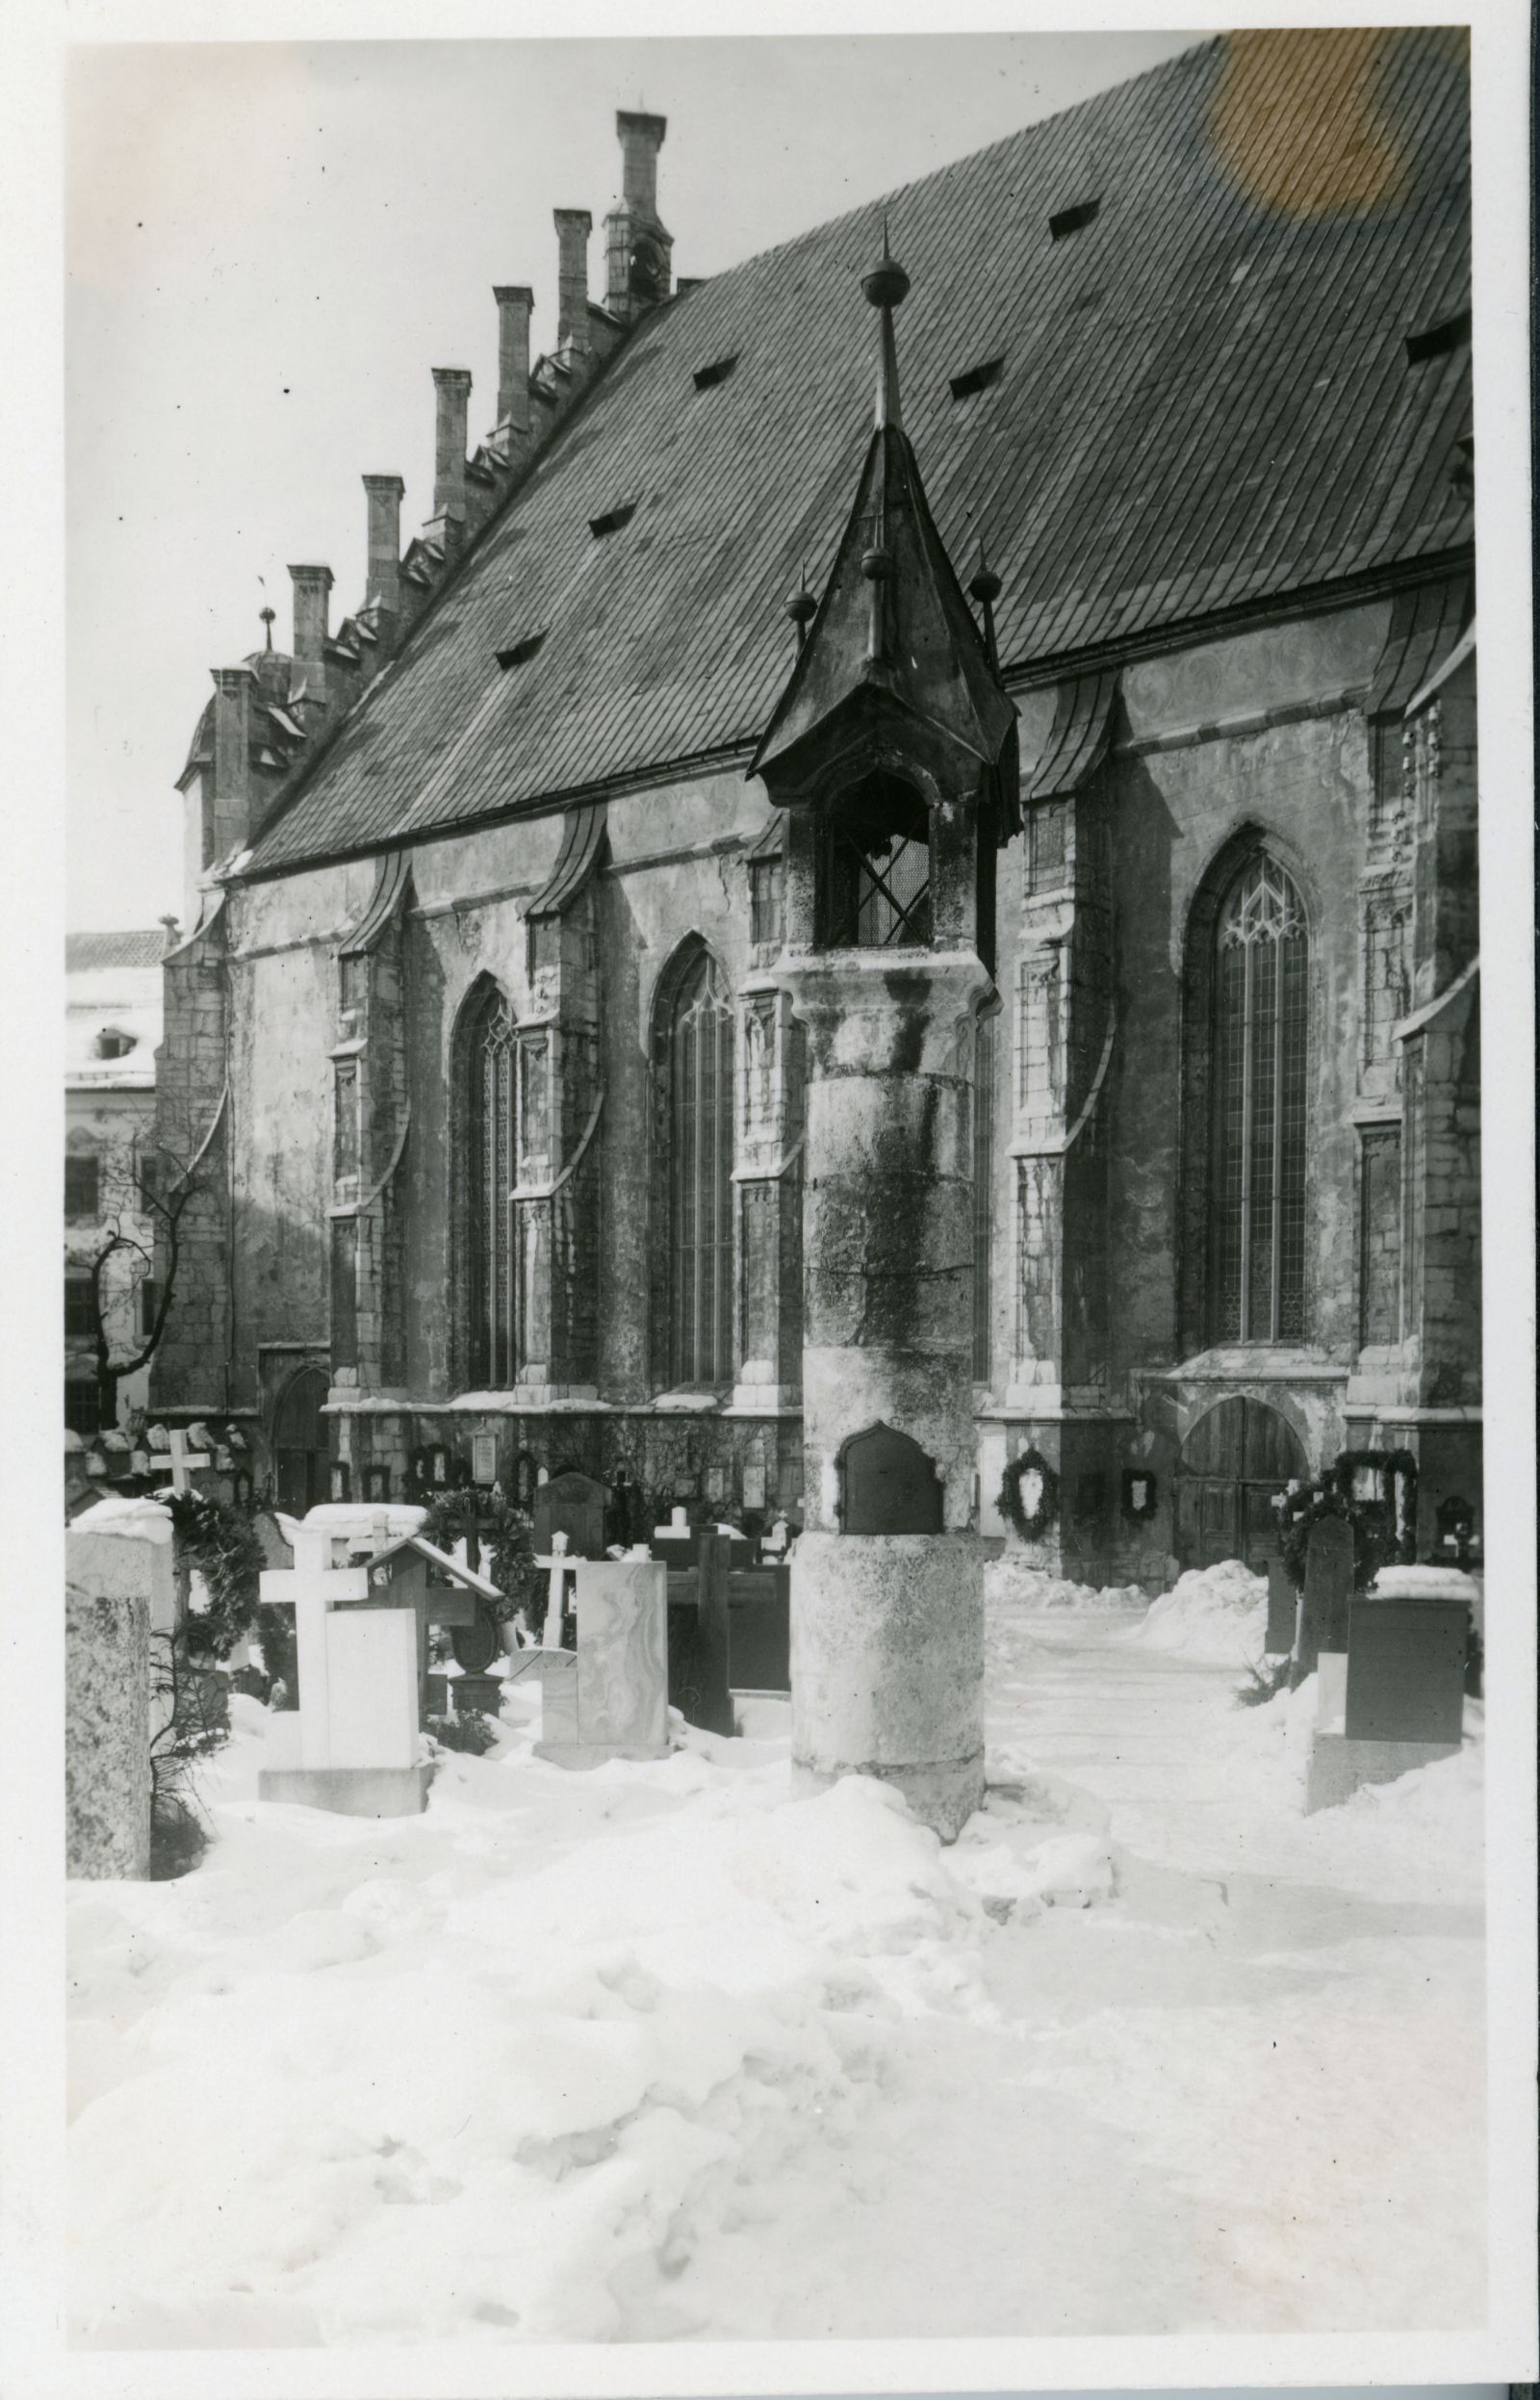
(1257, 1188)
(700, 1075)
(489, 1096)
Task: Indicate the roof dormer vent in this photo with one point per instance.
(1068, 220)
(518, 652)
(612, 520)
(717, 373)
(977, 379)
(1451, 333)
(112, 1043)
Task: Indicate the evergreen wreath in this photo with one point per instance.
(1029, 1527)
(1398, 1505)
(223, 1546)
(505, 1532)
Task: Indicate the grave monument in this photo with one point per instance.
(894, 750)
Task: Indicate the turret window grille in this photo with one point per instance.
(878, 892)
(1257, 1186)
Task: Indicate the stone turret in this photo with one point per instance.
(893, 749)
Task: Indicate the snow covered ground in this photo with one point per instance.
(657, 2052)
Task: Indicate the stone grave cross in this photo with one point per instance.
(311, 1590)
(182, 1461)
(559, 1566)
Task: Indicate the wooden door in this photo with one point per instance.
(1236, 1456)
(300, 1443)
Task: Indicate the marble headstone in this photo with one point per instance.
(618, 1707)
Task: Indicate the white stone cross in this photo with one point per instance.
(676, 1530)
(184, 1461)
(311, 1592)
(560, 1566)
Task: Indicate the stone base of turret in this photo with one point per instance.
(887, 1668)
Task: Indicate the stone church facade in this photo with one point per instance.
(478, 1055)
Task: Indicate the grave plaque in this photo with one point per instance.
(1329, 1590)
(574, 1505)
(889, 1485)
(1283, 1608)
(1407, 1670)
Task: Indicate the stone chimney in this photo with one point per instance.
(233, 691)
(641, 138)
(384, 493)
(515, 304)
(312, 608)
(639, 249)
(573, 225)
(452, 385)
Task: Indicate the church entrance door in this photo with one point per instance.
(1234, 1461)
(299, 1442)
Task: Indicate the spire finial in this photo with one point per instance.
(802, 607)
(986, 588)
(886, 287)
(267, 616)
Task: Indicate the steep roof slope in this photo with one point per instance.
(1205, 399)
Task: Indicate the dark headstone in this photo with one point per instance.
(481, 1693)
(1329, 1590)
(715, 1705)
(1282, 1609)
(475, 1645)
(574, 1505)
(889, 1485)
(760, 1629)
(1407, 1670)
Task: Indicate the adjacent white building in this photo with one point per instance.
(112, 1032)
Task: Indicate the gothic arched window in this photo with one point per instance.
(487, 1092)
(1257, 1154)
(700, 1100)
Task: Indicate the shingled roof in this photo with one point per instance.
(1205, 400)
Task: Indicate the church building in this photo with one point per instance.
(477, 1058)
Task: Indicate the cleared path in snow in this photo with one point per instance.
(1245, 2093)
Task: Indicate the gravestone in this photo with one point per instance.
(1406, 1669)
(119, 1590)
(1404, 1683)
(611, 1701)
(481, 1692)
(888, 1484)
(715, 1708)
(353, 1745)
(577, 1506)
(1328, 1591)
(760, 1629)
(1283, 1609)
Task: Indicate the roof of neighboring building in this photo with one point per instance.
(86, 951)
(112, 998)
(1200, 287)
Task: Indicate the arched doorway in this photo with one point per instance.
(299, 1442)
(1234, 1461)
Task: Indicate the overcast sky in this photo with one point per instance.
(271, 246)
